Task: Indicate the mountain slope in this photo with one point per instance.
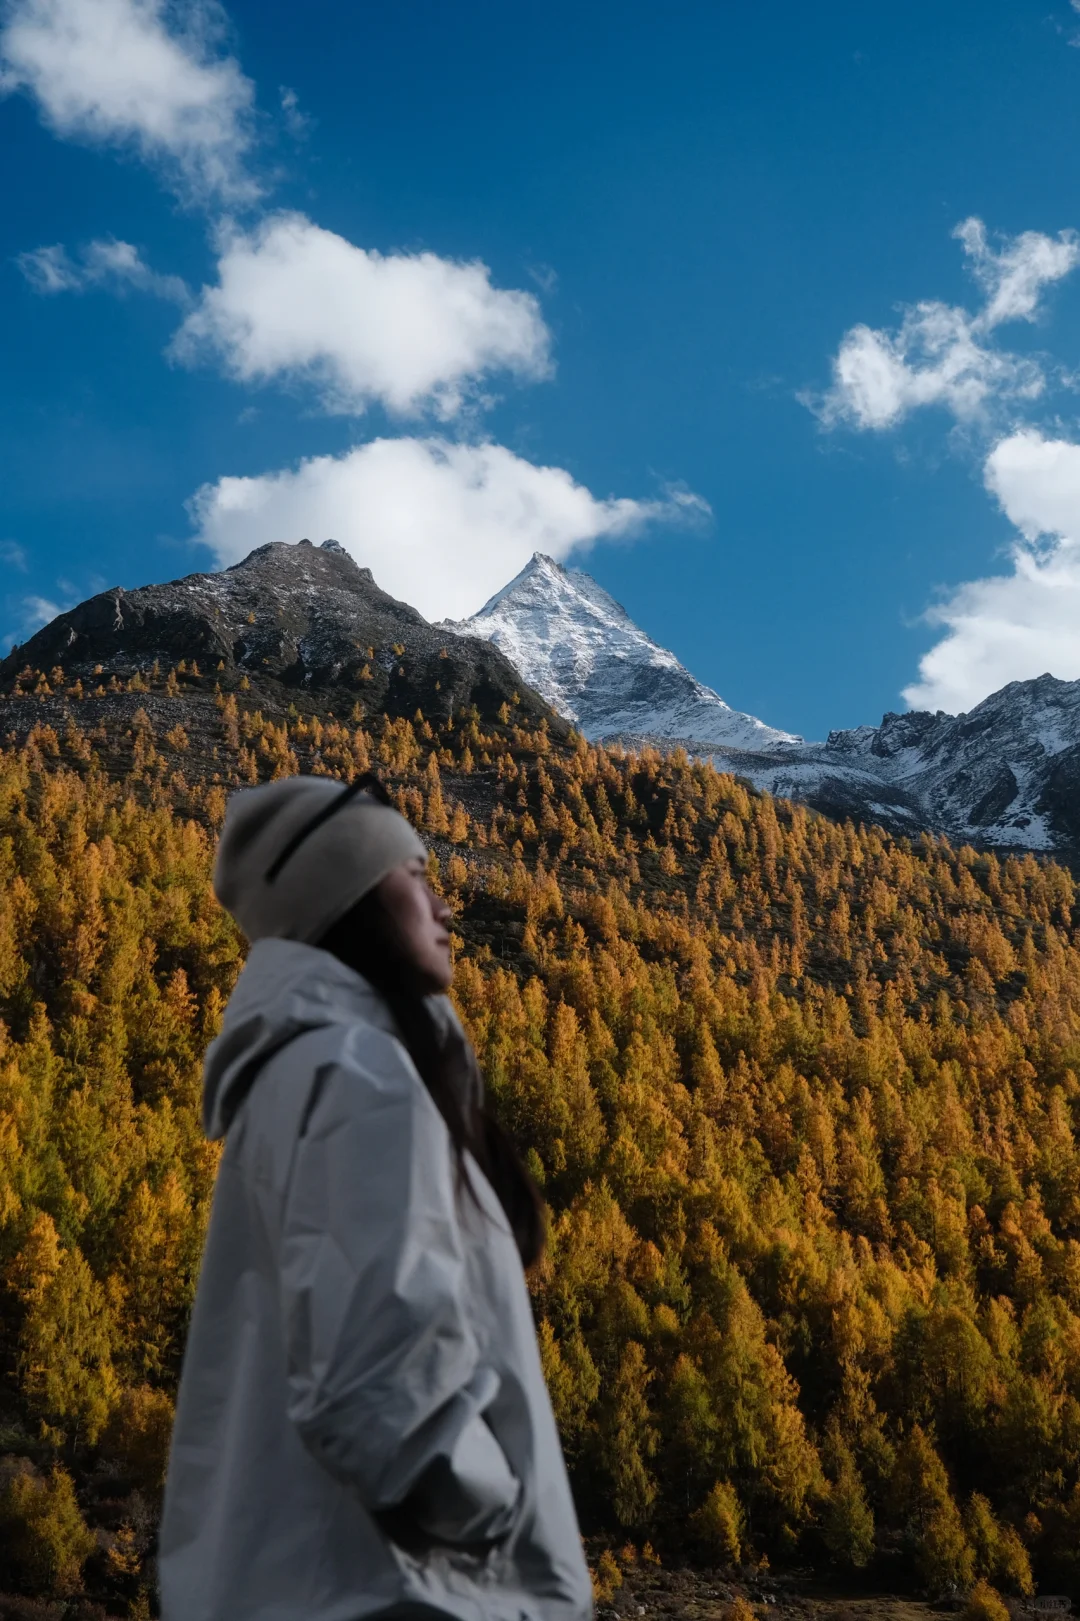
(583, 652)
(293, 620)
(802, 1098)
(1006, 775)
(305, 627)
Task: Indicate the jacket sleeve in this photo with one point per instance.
(386, 1387)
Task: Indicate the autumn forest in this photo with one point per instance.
(802, 1097)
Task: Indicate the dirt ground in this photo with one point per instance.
(658, 1594)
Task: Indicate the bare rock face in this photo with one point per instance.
(294, 620)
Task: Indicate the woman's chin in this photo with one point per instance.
(434, 978)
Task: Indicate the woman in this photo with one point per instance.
(362, 1426)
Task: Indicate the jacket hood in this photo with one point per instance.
(286, 988)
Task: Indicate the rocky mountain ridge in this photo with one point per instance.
(304, 625)
(1004, 776)
(297, 622)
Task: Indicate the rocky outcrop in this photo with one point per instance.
(294, 620)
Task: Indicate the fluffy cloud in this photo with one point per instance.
(49, 270)
(38, 611)
(943, 355)
(1014, 626)
(117, 265)
(1019, 624)
(441, 525)
(1014, 278)
(933, 359)
(123, 72)
(296, 302)
(1037, 484)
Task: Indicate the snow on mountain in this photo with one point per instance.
(1006, 775)
(305, 619)
(584, 654)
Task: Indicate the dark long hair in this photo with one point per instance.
(365, 940)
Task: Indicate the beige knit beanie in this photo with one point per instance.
(296, 854)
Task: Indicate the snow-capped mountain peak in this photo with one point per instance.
(1006, 775)
(584, 654)
(542, 580)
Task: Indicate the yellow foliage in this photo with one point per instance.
(718, 1522)
(985, 1603)
(44, 1534)
(802, 1097)
(607, 1578)
(138, 1435)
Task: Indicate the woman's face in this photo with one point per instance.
(420, 922)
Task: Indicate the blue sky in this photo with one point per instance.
(673, 293)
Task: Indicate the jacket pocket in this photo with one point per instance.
(467, 1498)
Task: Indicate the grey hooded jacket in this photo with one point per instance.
(362, 1424)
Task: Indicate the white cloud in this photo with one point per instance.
(49, 270)
(297, 303)
(410, 331)
(38, 611)
(934, 359)
(31, 612)
(1014, 278)
(140, 73)
(1015, 626)
(943, 355)
(441, 525)
(108, 262)
(1037, 484)
(297, 122)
